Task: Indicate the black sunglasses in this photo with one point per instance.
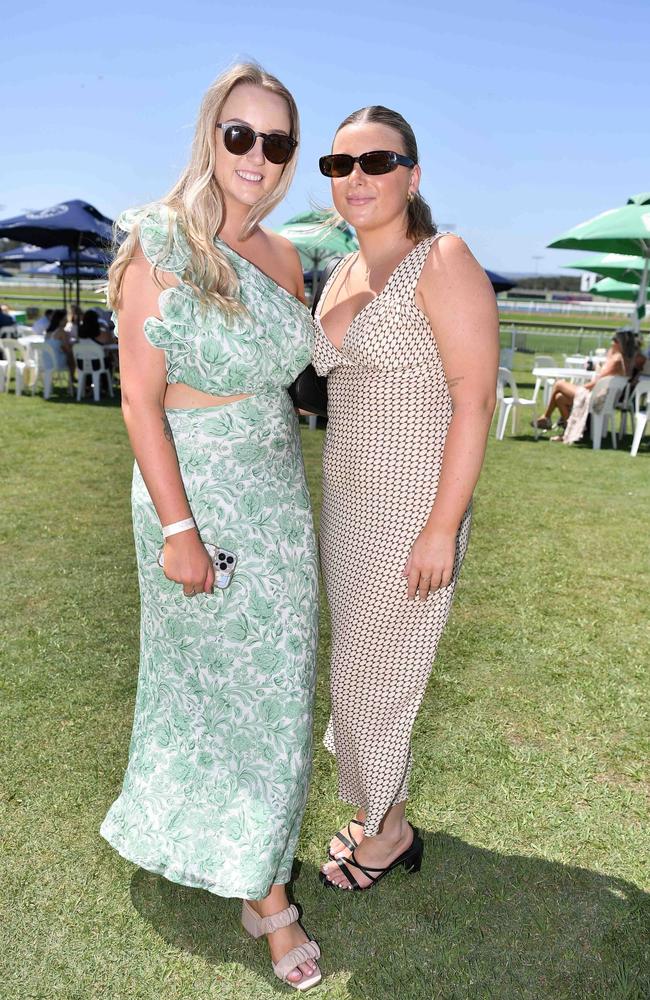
(379, 161)
(239, 139)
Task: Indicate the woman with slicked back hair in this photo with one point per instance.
(212, 330)
(407, 333)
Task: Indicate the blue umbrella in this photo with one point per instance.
(91, 256)
(75, 224)
(498, 282)
(57, 270)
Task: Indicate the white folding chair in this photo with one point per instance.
(49, 365)
(641, 415)
(602, 408)
(4, 378)
(91, 364)
(509, 404)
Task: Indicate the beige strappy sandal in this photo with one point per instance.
(258, 926)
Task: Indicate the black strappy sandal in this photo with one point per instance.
(351, 843)
(411, 859)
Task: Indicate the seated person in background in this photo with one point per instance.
(92, 329)
(619, 361)
(41, 324)
(58, 336)
(73, 322)
(640, 364)
(6, 319)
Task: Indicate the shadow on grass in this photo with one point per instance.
(584, 444)
(62, 397)
(473, 924)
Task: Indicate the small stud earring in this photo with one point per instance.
(410, 196)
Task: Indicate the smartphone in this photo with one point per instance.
(224, 563)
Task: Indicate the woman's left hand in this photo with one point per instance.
(430, 564)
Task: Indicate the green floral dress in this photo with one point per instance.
(220, 754)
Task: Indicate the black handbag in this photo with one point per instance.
(309, 390)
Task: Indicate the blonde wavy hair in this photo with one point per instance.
(196, 201)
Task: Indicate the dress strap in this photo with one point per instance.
(417, 259)
(328, 284)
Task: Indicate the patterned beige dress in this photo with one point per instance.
(389, 410)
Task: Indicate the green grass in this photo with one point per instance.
(575, 318)
(528, 782)
(45, 296)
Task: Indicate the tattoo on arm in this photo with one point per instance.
(453, 382)
(167, 431)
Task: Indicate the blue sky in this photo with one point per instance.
(530, 116)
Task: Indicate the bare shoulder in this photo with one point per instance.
(451, 260)
(452, 277)
(287, 266)
(283, 249)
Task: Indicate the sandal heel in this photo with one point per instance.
(251, 922)
(413, 860)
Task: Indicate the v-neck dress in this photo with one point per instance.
(220, 754)
(389, 410)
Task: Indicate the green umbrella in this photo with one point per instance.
(624, 230)
(316, 240)
(622, 267)
(611, 289)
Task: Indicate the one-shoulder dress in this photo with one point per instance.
(220, 753)
(389, 409)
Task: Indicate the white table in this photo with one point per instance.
(548, 376)
(580, 360)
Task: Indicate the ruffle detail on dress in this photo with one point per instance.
(176, 330)
(161, 239)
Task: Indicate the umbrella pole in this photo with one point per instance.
(639, 312)
(76, 265)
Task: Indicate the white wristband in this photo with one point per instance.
(173, 529)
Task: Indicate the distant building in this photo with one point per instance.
(587, 281)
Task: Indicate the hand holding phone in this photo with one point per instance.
(224, 563)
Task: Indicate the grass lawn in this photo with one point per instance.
(46, 296)
(528, 784)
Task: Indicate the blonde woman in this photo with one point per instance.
(408, 335)
(212, 329)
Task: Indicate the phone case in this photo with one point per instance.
(224, 563)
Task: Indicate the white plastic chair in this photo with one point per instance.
(4, 378)
(641, 416)
(49, 364)
(17, 362)
(509, 404)
(91, 364)
(602, 408)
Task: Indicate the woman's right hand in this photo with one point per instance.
(187, 561)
